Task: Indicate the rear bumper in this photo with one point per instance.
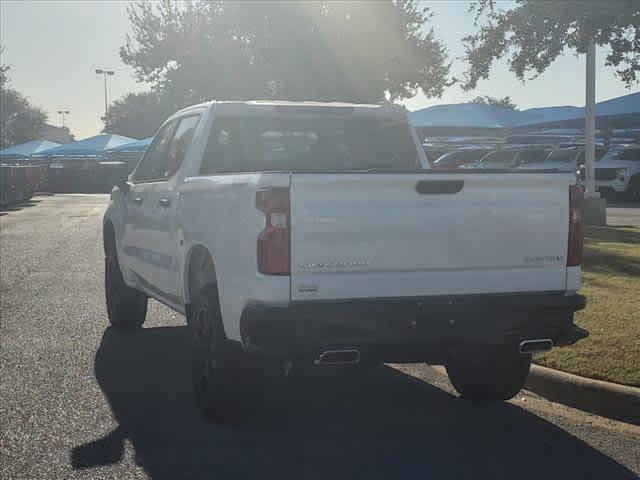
(409, 328)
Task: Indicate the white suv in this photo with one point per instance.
(618, 172)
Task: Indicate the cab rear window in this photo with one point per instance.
(309, 144)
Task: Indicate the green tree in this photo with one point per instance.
(533, 33)
(138, 115)
(19, 120)
(504, 102)
(4, 78)
(356, 51)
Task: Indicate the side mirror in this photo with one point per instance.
(123, 186)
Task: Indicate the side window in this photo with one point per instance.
(180, 143)
(225, 151)
(154, 164)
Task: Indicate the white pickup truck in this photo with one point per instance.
(293, 233)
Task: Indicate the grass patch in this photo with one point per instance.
(611, 283)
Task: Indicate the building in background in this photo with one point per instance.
(55, 134)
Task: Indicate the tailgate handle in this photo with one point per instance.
(439, 187)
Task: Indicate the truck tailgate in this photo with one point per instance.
(410, 234)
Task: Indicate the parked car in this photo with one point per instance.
(310, 233)
(72, 174)
(436, 147)
(14, 186)
(36, 177)
(109, 173)
(565, 159)
(461, 156)
(618, 172)
(530, 155)
(434, 152)
(497, 159)
(509, 157)
(543, 138)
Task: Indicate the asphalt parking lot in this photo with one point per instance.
(79, 400)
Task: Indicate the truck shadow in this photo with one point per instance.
(611, 263)
(383, 424)
(614, 204)
(16, 207)
(613, 234)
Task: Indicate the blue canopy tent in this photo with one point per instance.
(23, 151)
(463, 115)
(462, 119)
(73, 167)
(137, 146)
(620, 112)
(129, 153)
(88, 148)
(548, 115)
(477, 119)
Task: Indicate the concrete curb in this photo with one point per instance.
(607, 399)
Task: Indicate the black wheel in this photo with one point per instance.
(491, 375)
(227, 383)
(616, 197)
(633, 191)
(126, 307)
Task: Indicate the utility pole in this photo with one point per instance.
(63, 113)
(105, 73)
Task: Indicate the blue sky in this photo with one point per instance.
(53, 48)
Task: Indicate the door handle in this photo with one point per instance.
(137, 200)
(439, 187)
(165, 202)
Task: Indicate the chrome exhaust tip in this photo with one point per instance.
(535, 346)
(338, 357)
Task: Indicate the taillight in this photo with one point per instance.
(273, 240)
(576, 232)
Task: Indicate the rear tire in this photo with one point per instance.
(615, 197)
(227, 383)
(126, 306)
(490, 375)
(633, 192)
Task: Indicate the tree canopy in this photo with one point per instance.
(355, 51)
(19, 120)
(504, 102)
(137, 115)
(533, 33)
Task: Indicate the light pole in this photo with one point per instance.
(63, 113)
(590, 121)
(104, 74)
(595, 208)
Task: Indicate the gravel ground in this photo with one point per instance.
(78, 400)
